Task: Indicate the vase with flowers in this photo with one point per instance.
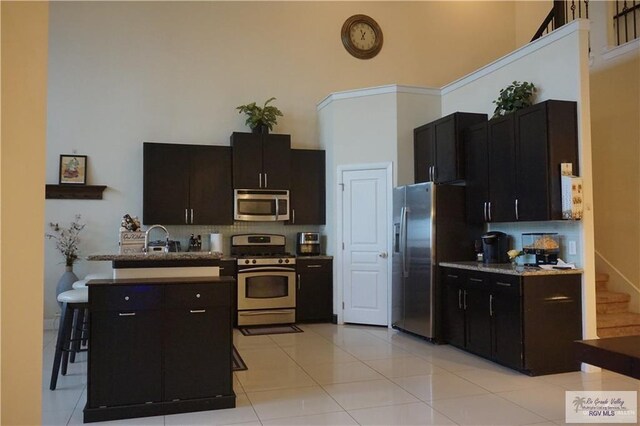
(67, 240)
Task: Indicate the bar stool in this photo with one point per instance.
(74, 302)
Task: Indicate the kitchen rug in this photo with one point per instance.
(270, 329)
(237, 363)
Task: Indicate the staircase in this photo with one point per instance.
(612, 309)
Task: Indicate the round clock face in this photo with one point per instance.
(362, 36)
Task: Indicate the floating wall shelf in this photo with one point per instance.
(74, 192)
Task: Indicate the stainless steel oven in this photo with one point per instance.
(266, 280)
(261, 205)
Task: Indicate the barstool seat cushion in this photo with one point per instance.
(98, 277)
(80, 295)
(80, 284)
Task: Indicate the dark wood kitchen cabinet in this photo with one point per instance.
(547, 135)
(159, 346)
(513, 163)
(187, 184)
(308, 188)
(513, 320)
(314, 294)
(229, 268)
(439, 149)
(261, 161)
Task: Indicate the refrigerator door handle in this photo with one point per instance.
(403, 240)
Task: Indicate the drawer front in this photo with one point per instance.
(125, 298)
(197, 295)
(506, 284)
(313, 265)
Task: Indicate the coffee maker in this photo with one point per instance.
(495, 245)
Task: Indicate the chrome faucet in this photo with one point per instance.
(146, 238)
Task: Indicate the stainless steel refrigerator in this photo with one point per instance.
(429, 227)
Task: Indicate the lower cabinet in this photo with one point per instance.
(314, 290)
(514, 320)
(229, 268)
(159, 347)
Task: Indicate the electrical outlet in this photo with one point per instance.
(572, 248)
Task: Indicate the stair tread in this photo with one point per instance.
(618, 319)
(601, 276)
(605, 296)
(633, 330)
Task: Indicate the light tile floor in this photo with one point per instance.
(350, 375)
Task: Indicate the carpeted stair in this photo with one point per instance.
(612, 308)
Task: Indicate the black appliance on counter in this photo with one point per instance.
(308, 244)
(495, 245)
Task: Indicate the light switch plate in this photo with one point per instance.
(572, 248)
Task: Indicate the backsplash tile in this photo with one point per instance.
(183, 232)
(568, 230)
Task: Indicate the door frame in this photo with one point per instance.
(388, 167)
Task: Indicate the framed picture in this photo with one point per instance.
(73, 169)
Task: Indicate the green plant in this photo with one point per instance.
(265, 115)
(514, 97)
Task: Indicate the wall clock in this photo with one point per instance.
(362, 36)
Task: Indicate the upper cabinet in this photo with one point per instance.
(261, 161)
(513, 163)
(307, 196)
(187, 184)
(439, 148)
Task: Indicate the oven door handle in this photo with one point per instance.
(265, 268)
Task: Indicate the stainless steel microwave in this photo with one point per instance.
(261, 205)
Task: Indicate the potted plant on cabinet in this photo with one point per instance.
(514, 97)
(260, 119)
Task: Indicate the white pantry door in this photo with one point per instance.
(365, 257)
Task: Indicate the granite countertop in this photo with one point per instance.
(507, 268)
(187, 255)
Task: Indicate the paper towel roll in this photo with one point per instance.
(215, 243)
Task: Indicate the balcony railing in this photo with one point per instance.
(626, 21)
(562, 12)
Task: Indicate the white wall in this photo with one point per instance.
(121, 73)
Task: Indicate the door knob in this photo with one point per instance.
(383, 254)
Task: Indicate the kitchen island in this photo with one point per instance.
(159, 265)
(159, 346)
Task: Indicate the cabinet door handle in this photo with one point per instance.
(464, 300)
(452, 276)
(477, 280)
(459, 298)
(491, 305)
(517, 216)
(489, 210)
(192, 216)
(503, 284)
(197, 311)
(314, 266)
(126, 314)
(293, 215)
(260, 177)
(186, 216)
(266, 185)
(299, 279)
(484, 211)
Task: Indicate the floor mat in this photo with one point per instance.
(237, 363)
(270, 329)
